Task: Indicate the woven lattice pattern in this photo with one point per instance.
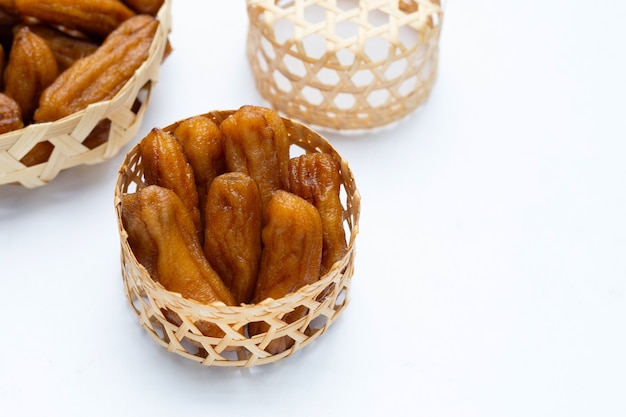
(344, 64)
(325, 299)
(122, 115)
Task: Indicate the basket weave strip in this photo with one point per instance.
(324, 299)
(378, 63)
(69, 133)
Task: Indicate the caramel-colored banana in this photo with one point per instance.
(232, 235)
(165, 164)
(10, 114)
(102, 74)
(256, 143)
(99, 134)
(66, 49)
(291, 257)
(8, 7)
(39, 154)
(31, 68)
(203, 145)
(145, 6)
(139, 239)
(180, 266)
(316, 177)
(3, 58)
(97, 18)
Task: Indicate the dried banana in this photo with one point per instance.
(291, 257)
(256, 143)
(31, 68)
(102, 74)
(10, 114)
(165, 164)
(180, 264)
(98, 18)
(203, 145)
(232, 235)
(316, 177)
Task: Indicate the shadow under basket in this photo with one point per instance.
(89, 136)
(324, 300)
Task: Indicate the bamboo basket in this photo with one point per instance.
(123, 113)
(325, 299)
(344, 65)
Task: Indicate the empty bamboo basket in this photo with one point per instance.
(121, 116)
(325, 300)
(344, 65)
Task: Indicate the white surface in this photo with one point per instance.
(491, 270)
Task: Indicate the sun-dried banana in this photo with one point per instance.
(157, 219)
(316, 177)
(256, 143)
(145, 6)
(139, 239)
(102, 74)
(8, 8)
(291, 257)
(31, 68)
(232, 235)
(97, 18)
(10, 114)
(203, 145)
(66, 49)
(165, 164)
(180, 266)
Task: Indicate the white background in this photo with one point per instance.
(491, 271)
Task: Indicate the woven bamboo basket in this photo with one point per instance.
(123, 113)
(344, 65)
(325, 299)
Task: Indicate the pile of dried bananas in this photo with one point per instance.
(228, 215)
(59, 56)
